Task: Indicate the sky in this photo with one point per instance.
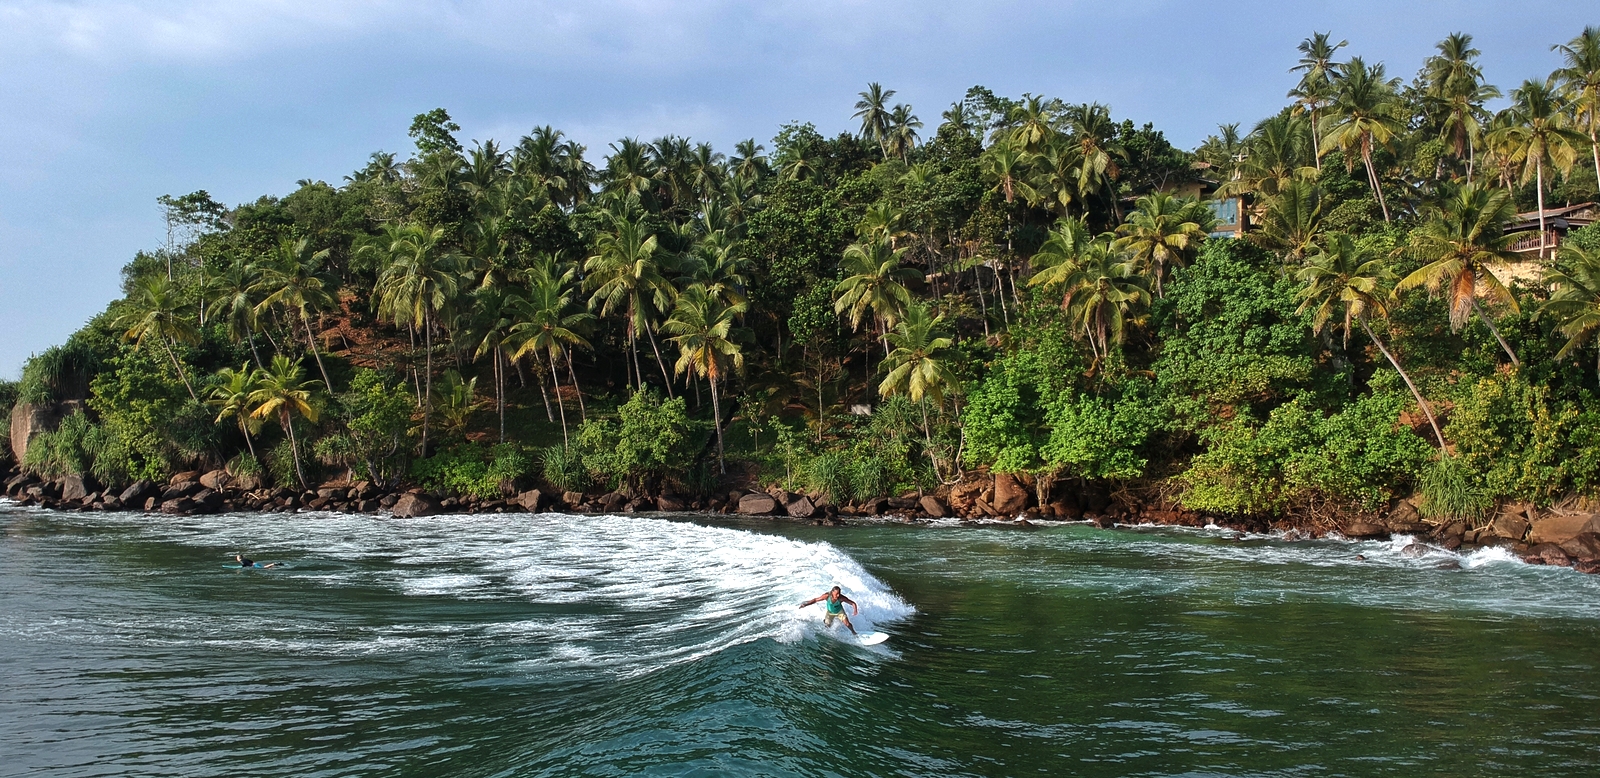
(106, 105)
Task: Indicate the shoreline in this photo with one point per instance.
(1563, 538)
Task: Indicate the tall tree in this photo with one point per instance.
(1362, 116)
(1575, 298)
(1099, 288)
(1315, 89)
(917, 367)
(422, 277)
(548, 320)
(875, 115)
(1157, 236)
(293, 278)
(155, 309)
(626, 273)
(1580, 83)
(1459, 243)
(708, 344)
(874, 281)
(1453, 83)
(1538, 135)
(231, 397)
(282, 391)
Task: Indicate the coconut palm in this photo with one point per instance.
(1580, 84)
(1099, 287)
(234, 295)
(156, 311)
(874, 282)
(1345, 283)
(491, 329)
(902, 134)
(422, 278)
(1095, 134)
(282, 391)
(548, 320)
(293, 278)
(748, 162)
(1033, 123)
(916, 367)
(1156, 236)
(454, 401)
(708, 344)
(1274, 155)
(1315, 89)
(875, 115)
(231, 397)
(1575, 298)
(1453, 83)
(1054, 180)
(1291, 222)
(1538, 135)
(1063, 249)
(1463, 238)
(1362, 116)
(627, 273)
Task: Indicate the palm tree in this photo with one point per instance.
(156, 311)
(454, 401)
(1098, 152)
(1316, 86)
(1348, 282)
(902, 134)
(421, 279)
(492, 330)
(1291, 222)
(547, 320)
(874, 281)
(916, 367)
(1274, 155)
(1099, 288)
(876, 118)
(292, 278)
(231, 397)
(233, 298)
(282, 391)
(1362, 115)
(1156, 236)
(627, 273)
(703, 327)
(1454, 82)
(1054, 182)
(1575, 299)
(1580, 81)
(748, 162)
(1538, 134)
(1033, 123)
(1462, 239)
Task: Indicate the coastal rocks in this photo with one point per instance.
(1364, 529)
(757, 505)
(931, 506)
(216, 479)
(1584, 546)
(532, 500)
(1562, 526)
(612, 501)
(800, 507)
(1009, 496)
(77, 487)
(669, 503)
(964, 496)
(1547, 554)
(27, 421)
(411, 506)
(1511, 525)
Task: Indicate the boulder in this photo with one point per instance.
(414, 505)
(931, 506)
(874, 507)
(216, 480)
(207, 501)
(757, 505)
(1558, 527)
(1364, 529)
(389, 500)
(1547, 554)
(1585, 545)
(800, 507)
(77, 487)
(532, 500)
(671, 503)
(572, 499)
(613, 501)
(178, 507)
(181, 489)
(184, 477)
(27, 421)
(1509, 525)
(332, 493)
(247, 483)
(964, 496)
(1009, 496)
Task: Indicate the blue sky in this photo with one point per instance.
(106, 105)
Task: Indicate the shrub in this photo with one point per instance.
(829, 473)
(471, 470)
(376, 443)
(1448, 491)
(563, 469)
(649, 441)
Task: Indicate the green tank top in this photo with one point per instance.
(834, 606)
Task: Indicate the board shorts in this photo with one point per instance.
(828, 618)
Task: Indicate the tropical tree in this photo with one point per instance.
(1575, 298)
(1157, 236)
(282, 391)
(1099, 288)
(627, 273)
(234, 296)
(1345, 283)
(708, 341)
(874, 282)
(155, 310)
(902, 135)
(547, 319)
(1459, 243)
(1453, 84)
(917, 367)
(1580, 85)
(1538, 134)
(1099, 152)
(422, 277)
(1315, 89)
(231, 397)
(875, 115)
(1291, 222)
(1362, 116)
(292, 278)
(454, 401)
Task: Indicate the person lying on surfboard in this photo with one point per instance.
(252, 563)
(833, 608)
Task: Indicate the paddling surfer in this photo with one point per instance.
(252, 563)
(833, 608)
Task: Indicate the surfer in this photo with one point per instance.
(833, 608)
(252, 563)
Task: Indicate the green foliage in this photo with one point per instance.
(1513, 438)
(829, 473)
(1096, 437)
(563, 468)
(473, 471)
(650, 440)
(157, 424)
(9, 390)
(1005, 415)
(376, 441)
(1449, 491)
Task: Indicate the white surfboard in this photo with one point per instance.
(871, 638)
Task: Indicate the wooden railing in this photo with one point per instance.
(1530, 241)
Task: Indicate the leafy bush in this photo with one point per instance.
(650, 440)
(280, 466)
(1448, 491)
(471, 470)
(563, 469)
(376, 442)
(1095, 437)
(245, 465)
(829, 473)
(155, 422)
(1512, 438)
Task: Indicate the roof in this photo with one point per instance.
(1574, 216)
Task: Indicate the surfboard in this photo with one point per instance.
(871, 638)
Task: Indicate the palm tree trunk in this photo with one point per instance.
(583, 412)
(555, 377)
(716, 418)
(247, 441)
(1421, 403)
(1316, 143)
(294, 447)
(500, 393)
(1372, 177)
(663, 365)
(1538, 166)
(427, 390)
(178, 367)
(311, 340)
(251, 338)
(1496, 330)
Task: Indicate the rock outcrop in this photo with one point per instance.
(27, 421)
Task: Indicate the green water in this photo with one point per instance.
(530, 646)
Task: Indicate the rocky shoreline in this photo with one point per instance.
(1564, 537)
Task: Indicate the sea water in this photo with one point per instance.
(560, 645)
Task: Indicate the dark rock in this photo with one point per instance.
(151, 503)
(332, 493)
(901, 503)
(1510, 525)
(19, 482)
(613, 501)
(1590, 566)
(1549, 554)
(1414, 550)
(931, 506)
(247, 483)
(532, 500)
(413, 505)
(1583, 546)
(572, 499)
(1161, 517)
(1364, 529)
(1009, 496)
(964, 496)
(757, 505)
(874, 507)
(1104, 522)
(670, 503)
(449, 503)
(112, 504)
(1450, 542)
(27, 422)
(181, 489)
(363, 490)
(184, 477)
(369, 506)
(800, 507)
(77, 487)
(178, 507)
(388, 500)
(319, 503)
(207, 501)
(137, 493)
(216, 479)
(1559, 527)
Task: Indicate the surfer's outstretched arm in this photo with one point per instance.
(856, 609)
(814, 600)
